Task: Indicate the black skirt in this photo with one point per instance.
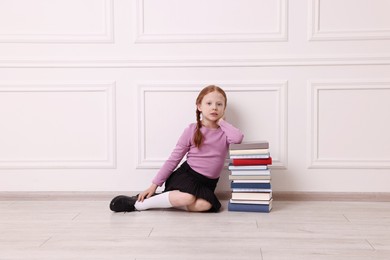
(185, 179)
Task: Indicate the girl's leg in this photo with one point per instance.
(199, 205)
(176, 199)
(188, 201)
(168, 199)
(159, 201)
(180, 199)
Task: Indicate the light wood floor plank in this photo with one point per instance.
(76, 229)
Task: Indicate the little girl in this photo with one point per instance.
(191, 186)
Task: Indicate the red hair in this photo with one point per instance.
(198, 136)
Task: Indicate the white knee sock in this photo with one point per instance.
(160, 201)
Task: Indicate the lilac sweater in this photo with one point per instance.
(209, 159)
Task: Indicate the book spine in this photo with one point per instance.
(256, 145)
(252, 173)
(249, 151)
(249, 185)
(251, 195)
(249, 156)
(242, 162)
(249, 177)
(250, 190)
(248, 167)
(253, 180)
(260, 202)
(248, 207)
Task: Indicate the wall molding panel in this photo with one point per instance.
(279, 88)
(361, 150)
(341, 32)
(67, 136)
(58, 24)
(173, 33)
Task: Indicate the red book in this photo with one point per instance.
(239, 162)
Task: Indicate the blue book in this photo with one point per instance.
(249, 207)
(250, 185)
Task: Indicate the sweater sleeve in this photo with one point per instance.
(233, 134)
(181, 148)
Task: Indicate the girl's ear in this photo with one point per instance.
(198, 106)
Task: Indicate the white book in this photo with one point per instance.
(250, 190)
(251, 173)
(250, 151)
(249, 156)
(258, 202)
(247, 167)
(249, 177)
(251, 181)
(251, 195)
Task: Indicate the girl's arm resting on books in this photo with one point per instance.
(234, 135)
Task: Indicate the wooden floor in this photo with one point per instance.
(293, 230)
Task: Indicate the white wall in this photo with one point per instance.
(94, 93)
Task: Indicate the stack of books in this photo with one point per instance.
(250, 177)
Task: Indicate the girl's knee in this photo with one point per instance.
(200, 205)
(188, 198)
(178, 198)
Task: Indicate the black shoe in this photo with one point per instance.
(123, 203)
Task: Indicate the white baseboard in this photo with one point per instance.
(223, 195)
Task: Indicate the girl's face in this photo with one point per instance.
(212, 107)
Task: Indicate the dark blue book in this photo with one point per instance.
(250, 185)
(249, 207)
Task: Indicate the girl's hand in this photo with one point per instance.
(147, 193)
(221, 119)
